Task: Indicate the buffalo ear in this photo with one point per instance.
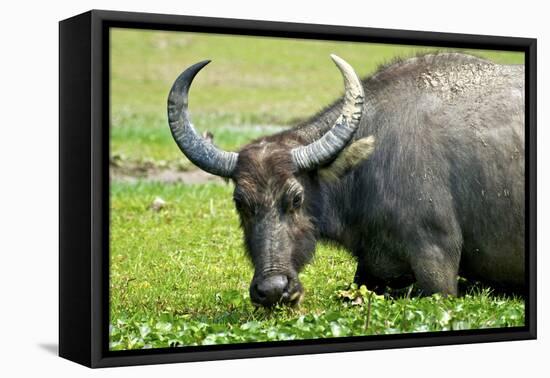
(208, 136)
(351, 156)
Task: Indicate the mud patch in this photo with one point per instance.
(130, 174)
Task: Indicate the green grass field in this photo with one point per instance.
(179, 276)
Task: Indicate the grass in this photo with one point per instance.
(253, 85)
(180, 277)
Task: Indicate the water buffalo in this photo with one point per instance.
(418, 171)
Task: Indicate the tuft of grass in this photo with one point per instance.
(179, 276)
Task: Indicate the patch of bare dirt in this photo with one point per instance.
(133, 173)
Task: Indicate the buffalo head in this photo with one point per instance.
(277, 182)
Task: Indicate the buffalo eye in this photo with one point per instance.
(295, 202)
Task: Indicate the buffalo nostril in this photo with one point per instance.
(270, 290)
(258, 294)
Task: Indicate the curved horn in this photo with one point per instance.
(329, 145)
(197, 149)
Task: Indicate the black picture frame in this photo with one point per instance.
(84, 186)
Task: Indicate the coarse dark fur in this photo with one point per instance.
(442, 193)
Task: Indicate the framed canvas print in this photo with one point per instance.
(234, 188)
